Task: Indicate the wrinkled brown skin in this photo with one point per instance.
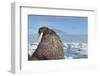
(50, 47)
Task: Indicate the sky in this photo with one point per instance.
(68, 24)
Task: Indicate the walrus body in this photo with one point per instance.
(50, 47)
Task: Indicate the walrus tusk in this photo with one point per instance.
(40, 37)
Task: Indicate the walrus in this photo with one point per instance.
(50, 46)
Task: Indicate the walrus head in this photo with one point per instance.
(43, 31)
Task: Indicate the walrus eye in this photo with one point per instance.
(40, 37)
